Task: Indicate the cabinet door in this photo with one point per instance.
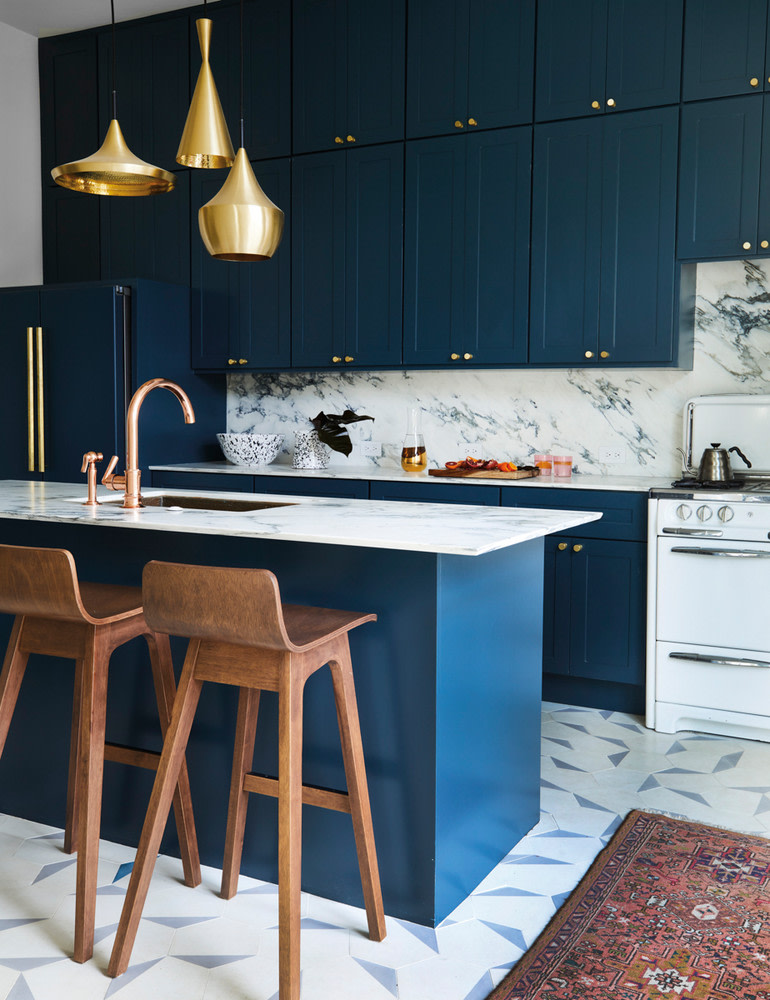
(763, 235)
(608, 611)
(636, 308)
(19, 309)
(70, 235)
(497, 211)
(557, 620)
(644, 53)
(148, 237)
(376, 76)
(501, 51)
(566, 242)
(318, 260)
(437, 67)
(375, 238)
(319, 57)
(434, 251)
(69, 115)
(724, 48)
(571, 58)
(719, 177)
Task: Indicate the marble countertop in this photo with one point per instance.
(640, 484)
(458, 529)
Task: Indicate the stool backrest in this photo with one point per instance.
(42, 583)
(241, 606)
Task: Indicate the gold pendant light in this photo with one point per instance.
(240, 222)
(113, 169)
(205, 140)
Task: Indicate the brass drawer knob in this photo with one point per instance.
(747, 246)
(243, 361)
(351, 138)
(595, 105)
(577, 548)
(610, 103)
(754, 81)
(604, 354)
(472, 121)
(468, 357)
(458, 124)
(232, 361)
(562, 546)
(336, 360)
(764, 244)
(454, 357)
(589, 354)
(349, 359)
(338, 138)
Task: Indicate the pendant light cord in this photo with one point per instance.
(243, 144)
(114, 64)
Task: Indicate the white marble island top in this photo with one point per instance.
(457, 529)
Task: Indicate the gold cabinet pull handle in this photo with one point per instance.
(754, 81)
(595, 105)
(472, 121)
(577, 548)
(351, 138)
(243, 361)
(338, 138)
(40, 403)
(30, 399)
(468, 357)
(604, 354)
(610, 102)
(336, 360)
(458, 124)
(454, 357)
(747, 246)
(562, 546)
(232, 361)
(589, 354)
(349, 359)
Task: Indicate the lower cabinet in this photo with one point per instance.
(349, 489)
(486, 496)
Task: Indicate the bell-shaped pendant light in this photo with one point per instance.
(240, 222)
(113, 169)
(205, 140)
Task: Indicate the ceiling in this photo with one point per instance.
(52, 17)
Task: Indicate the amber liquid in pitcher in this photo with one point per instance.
(414, 459)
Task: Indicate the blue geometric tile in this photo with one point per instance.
(481, 990)
(24, 964)
(628, 725)
(211, 961)
(20, 990)
(125, 869)
(104, 932)
(616, 758)
(7, 925)
(754, 788)
(611, 828)
(47, 870)
(764, 805)
(695, 796)
(425, 934)
(679, 770)
(562, 743)
(728, 762)
(177, 922)
(588, 804)
(532, 859)
(550, 784)
(605, 713)
(562, 897)
(512, 934)
(560, 834)
(617, 743)
(132, 973)
(268, 889)
(384, 975)
(505, 890)
(111, 890)
(574, 725)
(59, 835)
(650, 782)
(565, 766)
(676, 748)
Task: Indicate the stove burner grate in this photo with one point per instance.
(708, 484)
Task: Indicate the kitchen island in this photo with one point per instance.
(448, 679)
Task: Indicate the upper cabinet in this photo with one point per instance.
(606, 55)
(603, 248)
(266, 72)
(470, 65)
(348, 58)
(725, 48)
(467, 248)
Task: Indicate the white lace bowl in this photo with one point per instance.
(250, 449)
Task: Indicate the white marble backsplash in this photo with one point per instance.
(512, 414)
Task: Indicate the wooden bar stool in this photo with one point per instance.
(241, 634)
(57, 616)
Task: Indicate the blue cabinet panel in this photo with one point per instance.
(644, 53)
(624, 515)
(724, 48)
(226, 483)
(349, 489)
(571, 58)
(719, 171)
(501, 41)
(70, 236)
(557, 609)
(426, 492)
(437, 61)
(19, 309)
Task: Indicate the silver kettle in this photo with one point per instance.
(715, 464)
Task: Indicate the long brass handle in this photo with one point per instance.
(30, 400)
(40, 403)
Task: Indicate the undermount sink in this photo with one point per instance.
(172, 501)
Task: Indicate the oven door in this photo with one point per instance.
(714, 593)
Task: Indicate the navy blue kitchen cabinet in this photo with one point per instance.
(266, 71)
(470, 64)
(723, 197)
(603, 247)
(152, 82)
(350, 489)
(596, 56)
(71, 225)
(347, 233)
(466, 249)
(241, 312)
(348, 58)
(434, 492)
(725, 46)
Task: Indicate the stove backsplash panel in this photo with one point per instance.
(513, 413)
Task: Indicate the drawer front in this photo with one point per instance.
(484, 496)
(624, 515)
(719, 685)
(225, 482)
(348, 489)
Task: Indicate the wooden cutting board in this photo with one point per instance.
(484, 474)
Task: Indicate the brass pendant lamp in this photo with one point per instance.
(205, 140)
(113, 169)
(240, 222)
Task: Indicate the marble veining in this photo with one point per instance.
(458, 529)
(515, 413)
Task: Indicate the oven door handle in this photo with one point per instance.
(722, 661)
(700, 532)
(727, 553)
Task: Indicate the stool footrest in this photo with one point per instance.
(120, 754)
(312, 795)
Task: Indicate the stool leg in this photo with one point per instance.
(358, 790)
(89, 792)
(165, 692)
(14, 665)
(166, 780)
(71, 822)
(289, 834)
(243, 755)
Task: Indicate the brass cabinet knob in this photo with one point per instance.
(604, 354)
(349, 359)
(589, 354)
(595, 105)
(747, 246)
(610, 102)
(336, 360)
(454, 357)
(468, 357)
(458, 124)
(350, 138)
(232, 361)
(577, 548)
(472, 121)
(243, 361)
(562, 546)
(754, 81)
(338, 138)
(764, 244)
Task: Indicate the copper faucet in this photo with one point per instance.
(130, 481)
(89, 466)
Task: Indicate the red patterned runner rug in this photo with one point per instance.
(669, 909)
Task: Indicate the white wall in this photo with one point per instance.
(21, 241)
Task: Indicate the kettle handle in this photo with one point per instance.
(686, 466)
(736, 448)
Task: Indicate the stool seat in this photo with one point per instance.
(56, 615)
(241, 634)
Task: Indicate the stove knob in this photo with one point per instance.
(704, 513)
(726, 513)
(683, 512)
